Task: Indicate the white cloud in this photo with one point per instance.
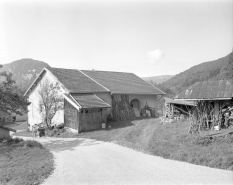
(155, 56)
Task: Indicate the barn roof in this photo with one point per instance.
(208, 90)
(87, 101)
(84, 81)
(179, 102)
(77, 82)
(122, 83)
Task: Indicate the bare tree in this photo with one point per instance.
(50, 101)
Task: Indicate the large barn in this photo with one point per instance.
(90, 97)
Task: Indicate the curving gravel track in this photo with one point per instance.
(85, 161)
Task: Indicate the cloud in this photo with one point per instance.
(155, 56)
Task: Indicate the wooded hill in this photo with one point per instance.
(217, 69)
(158, 79)
(24, 72)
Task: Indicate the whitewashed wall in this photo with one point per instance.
(34, 116)
(151, 100)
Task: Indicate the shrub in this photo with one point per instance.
(18, 142)
(229, 138)
(204, 141)
(33, 144)
(54, 132)
(14, 140)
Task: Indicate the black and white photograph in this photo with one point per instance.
(116, 92)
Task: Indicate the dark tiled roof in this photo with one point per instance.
(89, 101)
(179, 102)
(76, 81)
(221, 89)
(122, 83)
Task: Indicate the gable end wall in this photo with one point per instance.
(34, 116)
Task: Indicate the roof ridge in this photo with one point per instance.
(57, 71)
(90, 70)
(107, 71)
(101, 99)
(95, 81)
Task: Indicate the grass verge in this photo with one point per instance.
(169, 141)
(24, 162)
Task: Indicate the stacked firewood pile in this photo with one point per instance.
(203, 117)
(167, 114)
(121, 108)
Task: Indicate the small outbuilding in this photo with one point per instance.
(84, 112)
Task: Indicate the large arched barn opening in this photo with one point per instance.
(135, 104)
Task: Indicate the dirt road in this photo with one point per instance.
(84, 161)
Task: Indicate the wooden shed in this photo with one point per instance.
(84, 112)
(214, 101)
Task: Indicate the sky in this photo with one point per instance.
(148, 38)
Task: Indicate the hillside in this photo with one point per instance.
(24, 71)
(158, 79)
(217, 69)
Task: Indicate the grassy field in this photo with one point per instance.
(169, 141)
(24, 162)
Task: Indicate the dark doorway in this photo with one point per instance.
(135, 104)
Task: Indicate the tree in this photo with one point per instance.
(227, 71)
(10, 100)
(168, 91)
(50, 101)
